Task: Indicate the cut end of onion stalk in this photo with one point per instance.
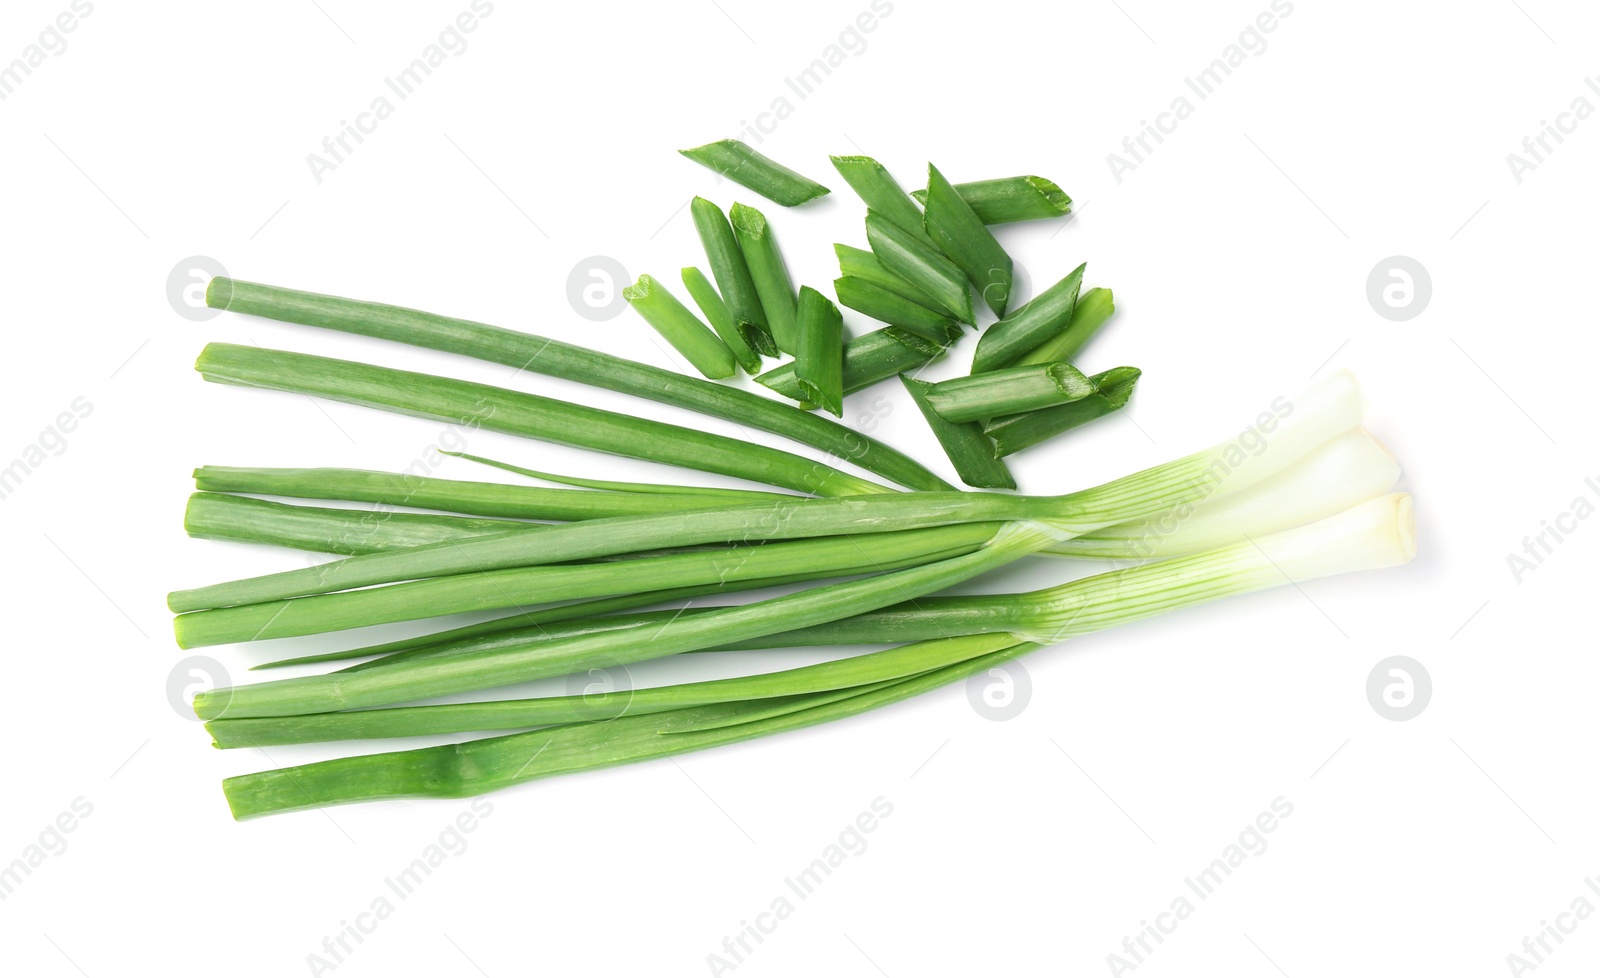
(1378, 533)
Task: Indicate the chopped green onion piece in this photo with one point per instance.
(767, 271)
(326, 529)
(1014, 390)
(728, 267)
(1046, 314)
(498, 409)
(959, 233)
(700, 492)
(680, 327)
(907, 256)
(862, 264)
(868, 360)
(968, 448)
(748, 168)
(716, 312)
(542, 355)
(451, 495)
(1092, 310)
(1006, 199)
(896, 310)
(882, 193)
(1112, 390)
(819, 357)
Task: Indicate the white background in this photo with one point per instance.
(1239, 251)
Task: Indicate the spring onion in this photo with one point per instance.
(1043, 317)
(1113, 388)
(964, 443)
(529, 415)
(819, 354)
(241, 519)
(1089, 313)
(959, 233)
(716, 312)
(909, 257)
(738, 162)
(862, 264)
(1014, 390)
(541, 355)
(882, 193)
(767, 272)
(680, 327)
(1007, 199)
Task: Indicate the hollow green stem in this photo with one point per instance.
(321, 529)
(1112, 389)
(528, 415)
(1089, 313)
(738, 162)
(882, 193)
(896, 310)
(541, 355)
(869, 359)
(767, 272)
(1044, 316)
(917, 261)
(964, 443)
(819, 354)
(1006, 199)
(864, 265)
(961, 235)
(716, 312)
(1013, 390)
(652, 488)
(729, 268)
(680, 327)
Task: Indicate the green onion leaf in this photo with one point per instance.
(896, 310)
(1014, 390)
(882, 193)
(680, 327)
(869, 359)
(1046, 314)
(907, 256)
(819, 357)
(959, 233)
(327, 529)
(1006, 199)
(1092, 310)
(862, 264)
(716, 312)
(748, 168)
(728, 267)
(968, 448)
(1014, 433)
(767, 271)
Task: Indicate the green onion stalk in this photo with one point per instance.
(633, 725)
(545, 356)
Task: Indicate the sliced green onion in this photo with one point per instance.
(896, 310)
(869, 359)
(700, 492)
(451, 495)
(767, 271)
(680, 327)
(1011, 391)
(541, 355)
(748, 168)
(1045, 315)
(919, 263)
(1090, 312)
(960, 234)
(819, 355)
(322, 529)
(882, 193)
(862, 264)
(716, 312)
(498, 409)
(965, 444)
(728, 267)
(1014, 433)
(1006, 199)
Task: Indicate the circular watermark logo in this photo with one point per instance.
(605, 689)
(195, 674)
(186, 287)
(594, 287)
(1399, 288)
(1000, 693)
(1399, 688)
